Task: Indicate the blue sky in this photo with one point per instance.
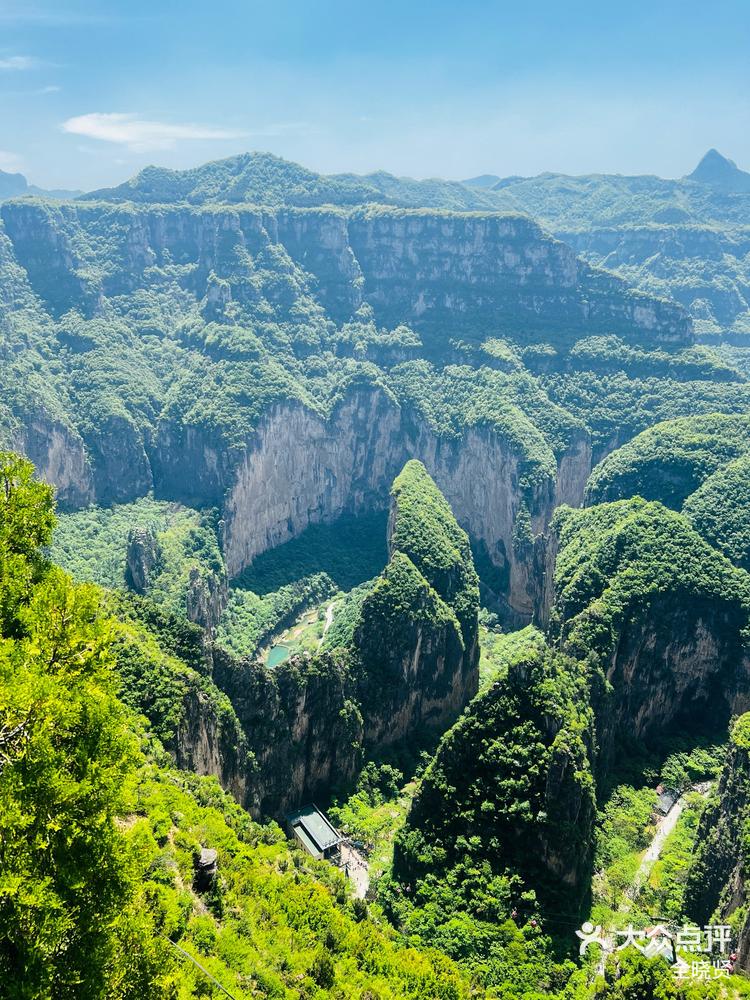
(91, 92)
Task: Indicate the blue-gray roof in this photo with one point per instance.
(316, 828)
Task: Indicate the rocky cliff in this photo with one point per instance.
(296, 731)
(418, 267)
(195, 354)
(300, 469)
(510, 793)
(717, 882)
(417, 641)
(662, 612)
(302, 725)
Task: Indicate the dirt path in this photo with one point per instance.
(664, 827)
(329, 621)
(356, 869)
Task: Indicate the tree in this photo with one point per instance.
(65, 752)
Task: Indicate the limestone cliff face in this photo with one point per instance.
(59, 456)
(302, 727)
(143, 554)
(717, 881)
(300, 469)
(190, 465)
(209, 741)
(206, 598)
(427, 267)
(122, 471)
(448, 275)
(412, 266)
(319, 243)
(679, 661)
(411, 665)
(682, 260)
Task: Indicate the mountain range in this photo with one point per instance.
(426, 502)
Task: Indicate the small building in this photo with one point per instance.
(315, 832)
(666, 799)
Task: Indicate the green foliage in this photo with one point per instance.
(625, 827)
(287, 926)
(499, 649)
(91, 544)
(249, 621)
(400, 601)
(26, 523)
(719, 510)
(349, 551)
(346, 619)
(612, 354)
(264, 179)
(665, 891)
(424, 529)
(670, 461)
(374, 813)
(617, 559)
(68, 909)
(740, 732)
(511, 774)
(615, 407)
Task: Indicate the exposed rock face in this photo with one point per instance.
(412, 665)
(300, 469)
(302, 726)
(501, 269)
(319, 243)
(661, 612)
(683, 261)
(718, 877)
(206, 598)
(142, 556)
(417, 640)
(122, 471)
(209, 741)
(412, 266)
(675, 662)
(59, 457)
(447, 275)
(466, 796)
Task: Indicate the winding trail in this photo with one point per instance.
(664, 827)
(329, 622)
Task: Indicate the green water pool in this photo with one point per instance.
(277, 655)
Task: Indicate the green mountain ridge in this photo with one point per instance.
(374, 494)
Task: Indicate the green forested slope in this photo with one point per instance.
(99, 833)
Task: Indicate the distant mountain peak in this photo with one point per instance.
(12, 185)
(720, 172)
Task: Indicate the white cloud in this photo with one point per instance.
(17, 63)
(139, 134)
(9, 162)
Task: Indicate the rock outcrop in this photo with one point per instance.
(509, 791)
(300, 469)
(717, 882)
(662, 613)
(59, 456)
(410, 668)
(142, 556)
(417, 638)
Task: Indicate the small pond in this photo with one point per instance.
(277, 655)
